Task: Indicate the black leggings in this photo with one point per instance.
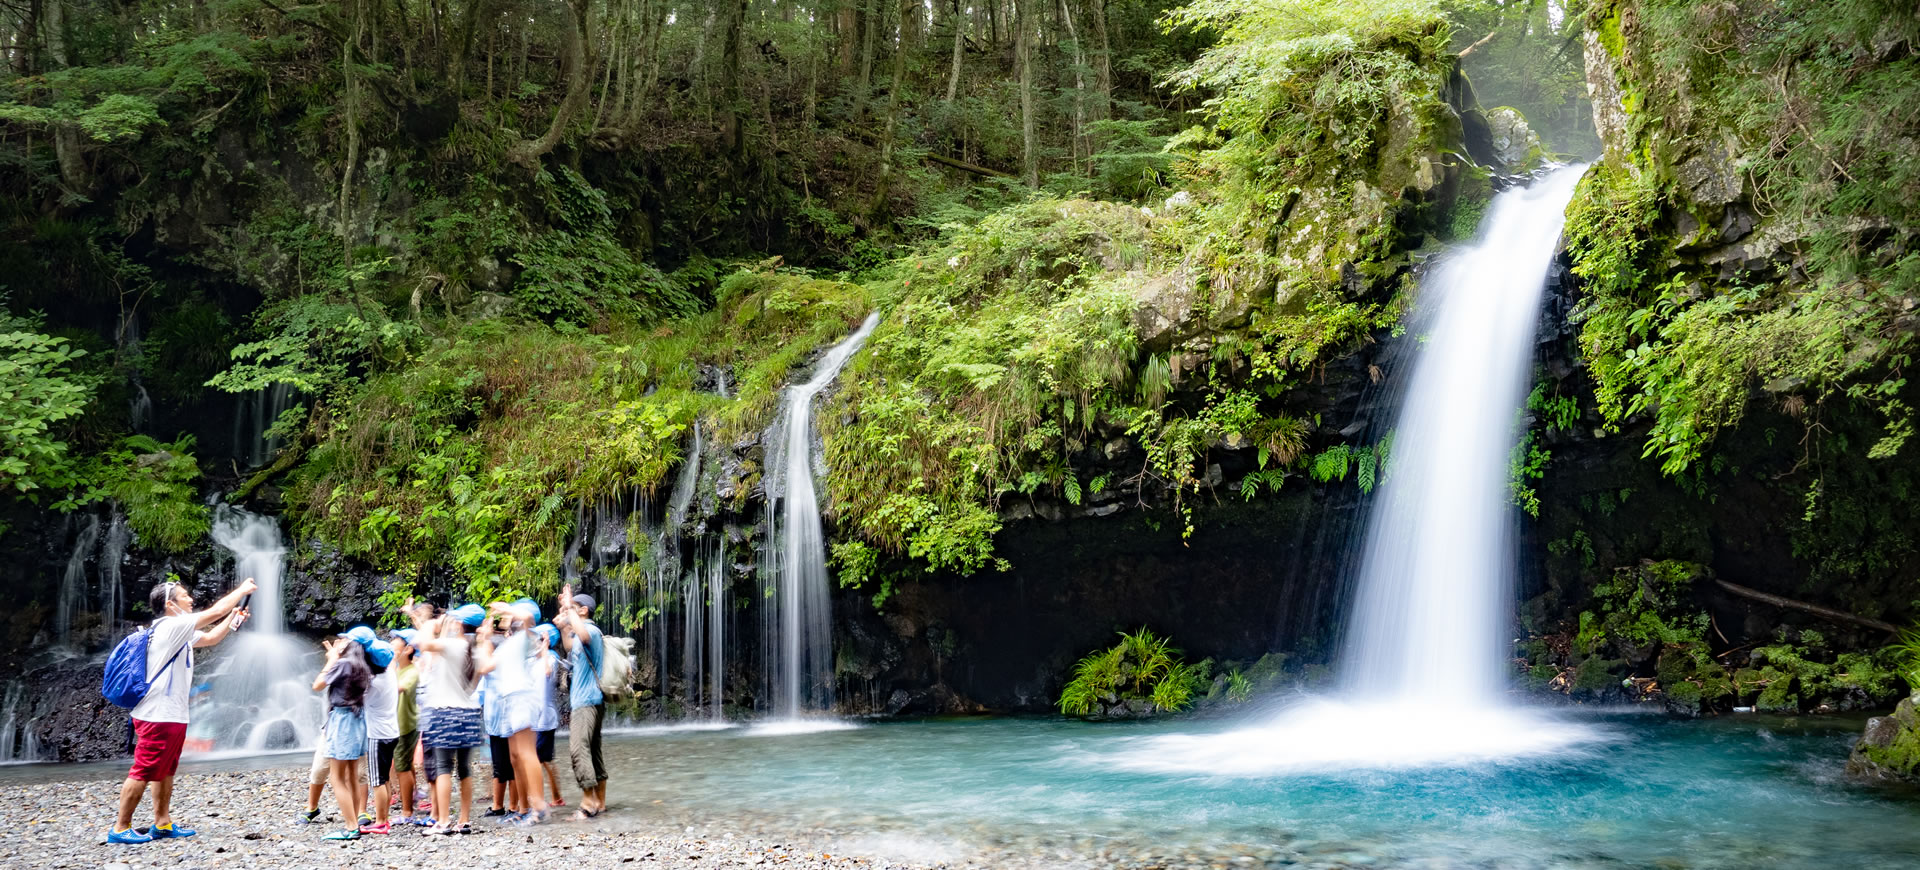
(502, 758)
(458, 762)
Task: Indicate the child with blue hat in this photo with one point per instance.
(346, 679)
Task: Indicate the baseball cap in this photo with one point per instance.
(584, 600)
(469, 614)
(407, 636)
(552, 634)
(527, 608)
(376, 651)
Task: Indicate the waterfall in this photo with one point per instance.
(73, 583)
(1423, 672)
(799, 626)
(253, 418)
(1436, 577)
(113, 553)
(717, 630)
(258, 680)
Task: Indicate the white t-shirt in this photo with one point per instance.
(446, 684)
(511, 673)
(382, 707)
(167, 695)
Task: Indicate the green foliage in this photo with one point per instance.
(1809, 111)
(153, 483)
(39, 392)
(1142, 666)
(472, 453)
(1368, 464)
(576, 271)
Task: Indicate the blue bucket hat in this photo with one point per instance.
(376, 651)
(552, 634)
(469, 614)
(407, 636)
(526, 604)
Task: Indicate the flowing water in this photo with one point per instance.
(1435, 586)
(798, 624)
(1748, 792)
(257, 683)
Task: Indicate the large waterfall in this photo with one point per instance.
(799, 625)
(1436, 577)
(258, 681)
(1423, 675)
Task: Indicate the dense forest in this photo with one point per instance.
(427, 277)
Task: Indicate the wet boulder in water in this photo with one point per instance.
(1890, 746)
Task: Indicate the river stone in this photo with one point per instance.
(1889, 748)
(1514, 141)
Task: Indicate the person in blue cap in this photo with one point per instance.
(543, 733)
(515, 689)
(453, 726)
(383, 730)
(406, 683)
(346, 679)
(587, 655)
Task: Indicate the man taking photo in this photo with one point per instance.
(160, 719)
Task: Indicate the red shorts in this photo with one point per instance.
(156, 749)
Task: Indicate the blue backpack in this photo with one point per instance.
(124, 683)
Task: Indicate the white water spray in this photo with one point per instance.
(799, 642)
(1423, 671)
(259, 694)
(1436, 579)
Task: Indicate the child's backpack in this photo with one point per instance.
(124, 683)
(616, 673)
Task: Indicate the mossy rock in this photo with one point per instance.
(1598, 675)
(1889, 748)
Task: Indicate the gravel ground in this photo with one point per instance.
(245, 819)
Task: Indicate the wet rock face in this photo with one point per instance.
(1889, 748)
(1514, 142)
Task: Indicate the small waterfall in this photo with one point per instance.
(140, 404)
(799, 641)
(253, 418)
(716, 571)
(113, 554)
(259, 696)
(73, 583)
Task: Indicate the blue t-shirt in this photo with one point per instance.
(589, 658)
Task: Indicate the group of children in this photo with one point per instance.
(426, 696)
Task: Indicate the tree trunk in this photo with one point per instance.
(578, 36)
(350, 109)
(893, 94)
(869, 26)
(66, 137)
(1079, 133)
(1102, 62)
(731, 35)
(959, 41)
(1023, 55)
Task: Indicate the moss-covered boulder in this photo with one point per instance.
(1890, 746)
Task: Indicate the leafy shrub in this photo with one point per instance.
(1142, 666)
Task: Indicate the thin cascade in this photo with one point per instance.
(113, 555)
(716, 571)
(796, 621)
(73, 583)
(253, 420)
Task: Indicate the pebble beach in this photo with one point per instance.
(245, 819)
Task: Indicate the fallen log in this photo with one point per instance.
(964, 166)
(1817, 610)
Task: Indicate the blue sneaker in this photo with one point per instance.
(128, 837)
(169, 832)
